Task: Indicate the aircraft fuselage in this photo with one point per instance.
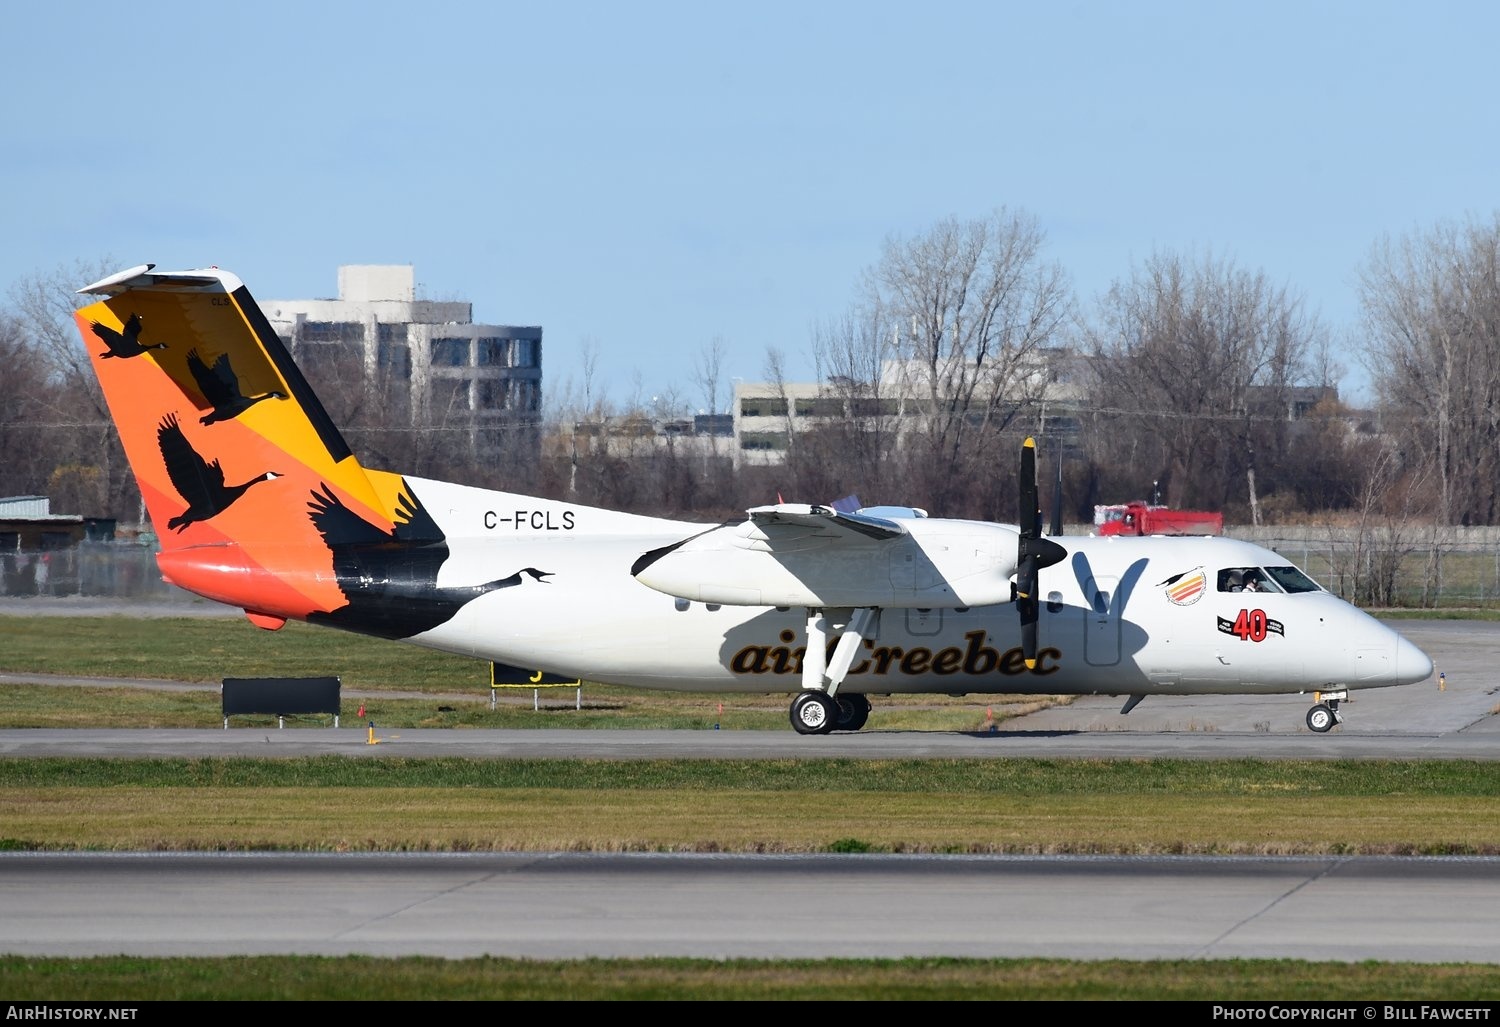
(1118, 616)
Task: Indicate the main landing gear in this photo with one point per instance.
(819, 708)
(1325, 714)
(818, 713)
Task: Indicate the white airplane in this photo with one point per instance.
(259, 503)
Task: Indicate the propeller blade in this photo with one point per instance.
(1033, 552)
(1029, 616)
(1029, 511)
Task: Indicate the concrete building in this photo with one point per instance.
(768, 414)
(426, 359)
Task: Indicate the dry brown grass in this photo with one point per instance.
(735, 820)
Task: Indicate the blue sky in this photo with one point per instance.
(642, 178)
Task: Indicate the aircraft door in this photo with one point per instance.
(1101, 636)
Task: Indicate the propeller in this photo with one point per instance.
(1033, 552)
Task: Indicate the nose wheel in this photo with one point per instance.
(1325, 714)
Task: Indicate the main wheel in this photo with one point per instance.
(1320, 718)
(813, 713)
(854, 710)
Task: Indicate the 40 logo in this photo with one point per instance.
(1252, 626)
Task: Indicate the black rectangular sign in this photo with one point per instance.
(281, 696)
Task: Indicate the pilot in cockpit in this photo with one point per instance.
(1252, 579)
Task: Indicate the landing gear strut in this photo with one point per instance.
(818, 708)
(1325, 714)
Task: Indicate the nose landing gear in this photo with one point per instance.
(1325, 714)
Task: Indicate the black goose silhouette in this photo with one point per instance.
(390, 577)
(196, 480)
(221, 387)
(126, 344)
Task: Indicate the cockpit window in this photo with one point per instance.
(1255, 581)
(1265, 579)
(1293, 580)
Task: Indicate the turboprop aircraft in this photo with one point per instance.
(259, 503)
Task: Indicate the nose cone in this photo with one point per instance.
(1412, 664)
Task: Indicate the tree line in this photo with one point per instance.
(1209, 384)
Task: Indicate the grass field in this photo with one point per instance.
(400, 686)
(336, 804)
(362, 979)
(1018, 805)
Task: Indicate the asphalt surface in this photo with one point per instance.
(579, 905)
(1452, 716)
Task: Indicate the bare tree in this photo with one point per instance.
(1193, 363)
(1432, 310)
(800, 478)
(708, 370)
(590, 351)
(859, 434)
(27, 408)
(976, 307)
(579, 434)
(81, 435)
(44, 302)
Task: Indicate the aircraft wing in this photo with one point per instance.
(828, 518)
(814, 556)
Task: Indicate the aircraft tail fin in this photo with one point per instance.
(226, 438)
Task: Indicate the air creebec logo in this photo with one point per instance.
(974, 659)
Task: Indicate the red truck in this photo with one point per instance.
(1140, 518)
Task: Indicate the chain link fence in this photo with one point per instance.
(1405, 566)
(103, 570)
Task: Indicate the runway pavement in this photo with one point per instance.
(1452, 719)
(577, 905)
